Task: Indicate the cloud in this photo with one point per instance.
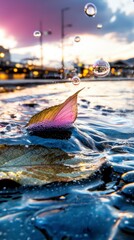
(122, 25)
(22, 18)
(126, 6)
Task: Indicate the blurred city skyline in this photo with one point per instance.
(115, 40)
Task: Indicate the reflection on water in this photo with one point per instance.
(88, 176)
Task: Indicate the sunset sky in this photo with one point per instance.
(19, 19)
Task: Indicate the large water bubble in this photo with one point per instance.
(101, 68)
(90, 9)
(77, 39)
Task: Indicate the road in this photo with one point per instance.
(29, 82)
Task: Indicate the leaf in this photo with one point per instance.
(59, 116)
(38, 165)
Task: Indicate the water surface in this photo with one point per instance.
(86, 178)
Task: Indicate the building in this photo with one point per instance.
(123, 68)
(4, 55)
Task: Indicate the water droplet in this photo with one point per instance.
(8, 127)
(22, 234)
(77, 39)
(101, 68)
(126, 222)
(37, 33)
(75, 80)
(99, 26)
(90, 9)
(62, 197)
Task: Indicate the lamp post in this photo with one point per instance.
(39, 34)
(62, 36)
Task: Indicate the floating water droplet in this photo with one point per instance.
(99, 26)
(90, 9)
(75, 80)
(77, 39)
(101, 68)
(37, 33)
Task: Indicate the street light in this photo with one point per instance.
(39, 34)
(63, 35)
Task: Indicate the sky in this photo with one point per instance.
(115, 40)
